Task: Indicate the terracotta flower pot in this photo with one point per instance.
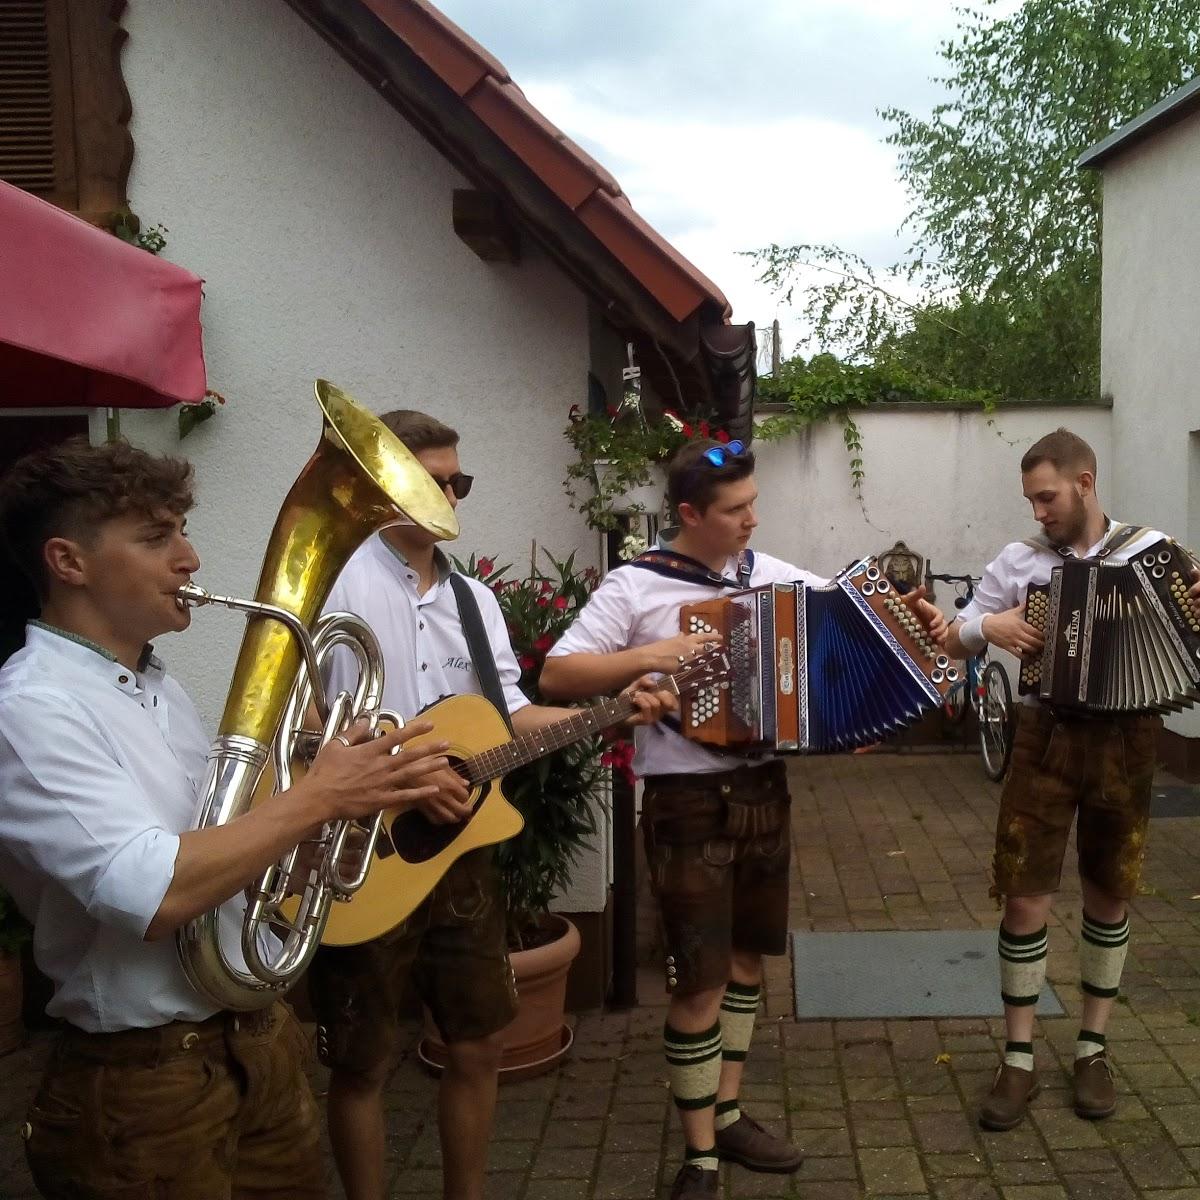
(537, 1037)
(11, 1030)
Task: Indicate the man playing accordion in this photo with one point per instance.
(716, 827)
(1064, 762)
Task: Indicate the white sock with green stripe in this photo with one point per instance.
(1102, 953)
(706, 1160)
(739, 1009)
(693, 1066)
(1022, 966)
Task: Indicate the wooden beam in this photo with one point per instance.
(481, 222)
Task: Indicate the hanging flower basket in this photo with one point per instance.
(632, 498)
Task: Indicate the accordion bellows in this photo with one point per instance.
(814, 669)
(1119, 637)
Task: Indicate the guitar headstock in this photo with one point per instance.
(709, 667)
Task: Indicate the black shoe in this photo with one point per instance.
(694, 1183)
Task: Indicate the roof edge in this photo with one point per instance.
(1180, 103)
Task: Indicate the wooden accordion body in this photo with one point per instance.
(814, 669)
(1119, 637)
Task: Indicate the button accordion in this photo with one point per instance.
(814, 669)
(1119, 637)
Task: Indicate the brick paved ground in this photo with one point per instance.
(883, 841)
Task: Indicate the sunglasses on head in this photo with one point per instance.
(458, 483)
(718, 456)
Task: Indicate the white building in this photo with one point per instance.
(1150, 351)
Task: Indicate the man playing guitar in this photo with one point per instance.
(453, 945)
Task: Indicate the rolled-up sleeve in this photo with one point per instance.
(71, 811)
(604, 624)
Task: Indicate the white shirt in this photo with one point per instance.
(100, 768)
(633, 607)
(425, 651)
(1008, 577)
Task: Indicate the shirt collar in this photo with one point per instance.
(93, 657)
(441, 563)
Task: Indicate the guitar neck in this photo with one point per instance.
(492, 764)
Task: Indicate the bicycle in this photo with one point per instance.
(984, 685)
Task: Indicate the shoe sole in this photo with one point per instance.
(761, 1167)
(1005, 1126)
(1095, 1114)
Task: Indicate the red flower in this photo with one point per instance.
(560, 602)
(619, 756)
(687, 430)
(704, 429)
(546, 588)
(485, 567)
(543, 602)
(543, 643)
(527, 662)
(721, 435)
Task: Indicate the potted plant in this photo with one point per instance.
(15, 931)
(556, 796)
(619, 468)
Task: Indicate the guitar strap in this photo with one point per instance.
(482, 657)
(690, 570)
(1119, 535)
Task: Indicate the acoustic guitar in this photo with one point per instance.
(413, 853)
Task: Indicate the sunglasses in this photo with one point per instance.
(458, 483)
(718, 456)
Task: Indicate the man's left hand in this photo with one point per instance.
(651, 702)
(931, 617)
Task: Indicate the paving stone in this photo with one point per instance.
(563, 1162)
(891, 1171)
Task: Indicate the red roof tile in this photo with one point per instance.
(582, 184)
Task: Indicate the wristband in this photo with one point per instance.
(970, 633)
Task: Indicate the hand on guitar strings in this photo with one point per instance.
(930, 616)
(358, 774)
(1010, 631)
(651, 702)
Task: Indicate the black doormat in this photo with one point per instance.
(1175, 800)
(914, 973)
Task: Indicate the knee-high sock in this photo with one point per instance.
(693, 1065)
(1102, 953)
(1022, 965)
(739, 1009)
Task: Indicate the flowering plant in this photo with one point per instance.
(628, 446)
(555, 795)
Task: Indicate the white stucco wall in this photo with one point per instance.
(321, 223)
(1150, 358)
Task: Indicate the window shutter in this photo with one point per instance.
(37, 144)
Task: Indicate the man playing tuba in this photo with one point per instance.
(151, 1088)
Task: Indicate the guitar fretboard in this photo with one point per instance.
(492, 764)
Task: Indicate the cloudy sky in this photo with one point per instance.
(732, 125)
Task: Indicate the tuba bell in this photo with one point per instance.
(359, 479)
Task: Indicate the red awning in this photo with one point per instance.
(89, 321)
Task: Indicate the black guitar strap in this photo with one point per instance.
(482, 657)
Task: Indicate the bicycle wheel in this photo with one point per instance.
(995, 720)
(956, 701)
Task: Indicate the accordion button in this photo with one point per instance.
(725, 789)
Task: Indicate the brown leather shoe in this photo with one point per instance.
(1095, 1092)
(747, 1143)
(1005, 1105)
(694, 1183)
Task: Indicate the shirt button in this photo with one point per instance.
(27, 1131)
(189, 1040)
(237, 1024)
(122, 678)
(424, 666)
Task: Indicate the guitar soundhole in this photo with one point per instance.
(417, 839)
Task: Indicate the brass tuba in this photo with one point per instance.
(359, 479)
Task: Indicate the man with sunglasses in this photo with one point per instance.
(716, 826)
(453, 946)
